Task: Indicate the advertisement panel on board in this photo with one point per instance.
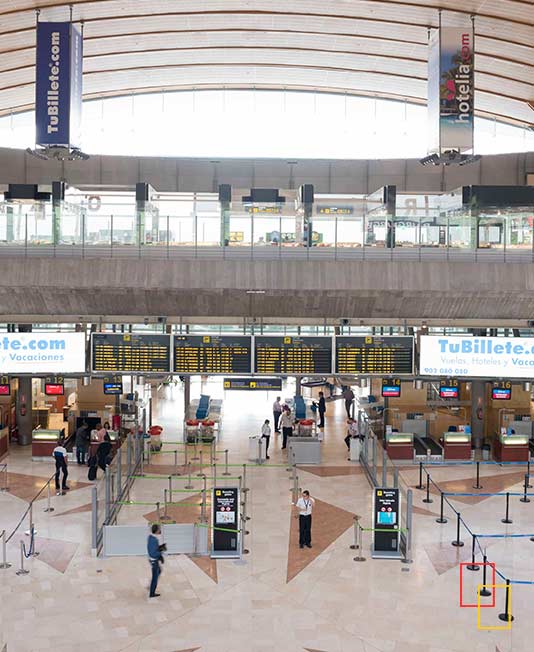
(36, 353)
(485, 357)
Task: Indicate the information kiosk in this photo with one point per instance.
(226, 540)
(386, 524)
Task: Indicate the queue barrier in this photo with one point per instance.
(131, 540)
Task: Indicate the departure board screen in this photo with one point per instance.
(374, 355)
(130, 352)
(293, 355)
(212, 354)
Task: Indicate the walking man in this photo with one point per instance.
(60, 455)
(82, 441)
(277, 412)
(155, 557)
(348, 395)
(266, 434)
(286, 421)
(305, 506)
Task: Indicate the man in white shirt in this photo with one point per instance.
(305, 506)
(352, 431)
(266, 434)
(60, 455)
(277, 411)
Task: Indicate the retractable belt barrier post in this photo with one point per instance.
(48, 507)
(458, 543)
(525, 498)
(201, 465)
(478, 485)
(441, 518)
(22, 570)
(354, 546)
(189, 484)
(226, 471)
(473, 565)
(507, 518)
(420, 485)
(507, 616)
(245, 488)
(428, 499)
(359, 545)
(529, 486)
(484, 591)
(4, 473)
(4, 563)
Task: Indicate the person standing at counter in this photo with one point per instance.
(348, 396)
(103, 452)
(82, 439)
(60, 456)
(277, 413)
(286, 422)
(100, 432)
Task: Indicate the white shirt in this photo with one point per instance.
(277, 406)
(286, 420)
(266, 430)
(353, 430)
(305, 506)
(60, 450)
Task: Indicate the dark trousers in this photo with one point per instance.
(305, 530)
(80, 454)
(321, 419)
(102, 463)
(347, 441)
(156, 572)
(286, 432)
(276, 417)
(348, 407)
(267, 440)
(61, 465)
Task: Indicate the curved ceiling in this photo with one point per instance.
(365, 47)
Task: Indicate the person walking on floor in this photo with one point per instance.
(305, 506)
(348, 395)
(60, 456)
(155, 557)
(286, 422)
(277, 412)
(266, 434)
(321, 408)
(81, 440)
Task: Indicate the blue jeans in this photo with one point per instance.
(156, 571)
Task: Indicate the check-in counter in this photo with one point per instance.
(4, 442)
(512, 448)
(115, 442)
(457, 445)
(400, 445)
(44, 442)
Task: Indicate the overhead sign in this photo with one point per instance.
(451, 88)
(335, 210)
(386, 522)
(129, 352)
(374, 355)
(112, 385)
(261, 384)
(501, 390)
(391, 387)
(292, 355)
(225, 522)
(54, 386)
(42, 353)
(58, 87)
(486, 357)
(212, 354)
(5, 386)
(449, 388)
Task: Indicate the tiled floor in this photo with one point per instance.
(278, 598)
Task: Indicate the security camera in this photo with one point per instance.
(145, 321)
(344, 322)
(162, 320)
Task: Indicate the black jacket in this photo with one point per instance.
(321, 405)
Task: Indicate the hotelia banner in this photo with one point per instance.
(451, 89)
(36, 353)
(498, 357)
(58, 85)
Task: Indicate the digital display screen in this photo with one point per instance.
(391, 389)
(374, 355)
(446, 391)
(113, 388)
(212, 354)
(54, 389)
(5, 389)
(292, 355)
(386, 518)
(501, 394)
(129, 352)
(335, 210)
(261, 384)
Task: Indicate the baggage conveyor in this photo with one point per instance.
(424, 444)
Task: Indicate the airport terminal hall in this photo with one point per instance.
(267, 326)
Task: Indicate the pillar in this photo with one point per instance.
(298, 388)
(24, 411)
(478, 411)
(187, 393)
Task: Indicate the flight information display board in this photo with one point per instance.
(292, 355)
(130, 352)
(212, 354)
(374, 355)
(261, 384)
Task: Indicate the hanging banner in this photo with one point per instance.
(451, 89)
(58, 85)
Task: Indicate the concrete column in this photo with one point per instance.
(298, 389)
(187, 393)
(24, 411)
(478, 411)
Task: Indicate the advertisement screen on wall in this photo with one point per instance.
(484, 357)
(37, 353)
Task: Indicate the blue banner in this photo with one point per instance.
(58, 85)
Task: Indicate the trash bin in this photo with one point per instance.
(256, 449)
(486, 450)
(305, 428)
(191, 431)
